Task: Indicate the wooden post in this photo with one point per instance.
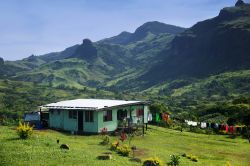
(146, 126)
(40, 115)
(143, 121)
(143, 129)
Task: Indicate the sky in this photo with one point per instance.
(42, 26)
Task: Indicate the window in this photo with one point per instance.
(89, 116)
(121, 114)
(107, 115)
(72, 114)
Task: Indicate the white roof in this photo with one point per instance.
(90, 104)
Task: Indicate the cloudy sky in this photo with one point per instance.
(42, 26)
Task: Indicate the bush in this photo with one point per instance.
(24, 130)
(192, 158)
(228, 163)
(152, 162)
(184, 155)
(105, 140)
(175, 160)
(114, 145)
(123, 150)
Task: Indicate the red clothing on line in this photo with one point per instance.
(226, 128)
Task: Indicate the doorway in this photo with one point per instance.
(80, 120)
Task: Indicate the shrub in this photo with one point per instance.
(114, 145)
(189, 156)
(123, 150)
(184, 155)
(105, 140)
(104, 131)
(24, 130)
(174, 161)
(228, 163)
(153, 162)
(123, 136)
(194, 158)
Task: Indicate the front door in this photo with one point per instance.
(80, 120)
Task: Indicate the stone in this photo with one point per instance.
(105, 157)
(64, 146)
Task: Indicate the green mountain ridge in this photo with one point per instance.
(209, 47)
(142, 32)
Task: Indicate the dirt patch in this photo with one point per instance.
(141, 152)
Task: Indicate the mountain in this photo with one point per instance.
(99, 64)
(85, 51)
(59, 55)
(209, 47)
(149, 28)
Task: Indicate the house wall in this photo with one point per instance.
(110, 125)
(56, 119)
(62, 120)
(91, 127)
(69, 124)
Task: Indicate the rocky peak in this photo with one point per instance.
(86, 42)
(85, 51)
(239, 3)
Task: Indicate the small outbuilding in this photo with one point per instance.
(92, 115)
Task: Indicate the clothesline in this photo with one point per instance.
(224, 127)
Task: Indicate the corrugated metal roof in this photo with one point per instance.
(90, 104)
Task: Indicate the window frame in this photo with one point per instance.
(89, 116)
(107, 115)
(72, 114)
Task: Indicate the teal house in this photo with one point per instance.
(92, 115)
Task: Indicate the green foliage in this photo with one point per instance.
(24, 131)
(158, 108)
(105, 140)
(153, 161)
(228, 164)
(174, 161)
(192, 158)
(114, 145)
(123, 150)
(17, 97)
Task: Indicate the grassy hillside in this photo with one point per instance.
(198, 95)
(17, 97)
(42, 148)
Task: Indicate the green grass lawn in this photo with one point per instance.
(42, 148)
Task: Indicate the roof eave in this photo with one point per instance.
(124, 105)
